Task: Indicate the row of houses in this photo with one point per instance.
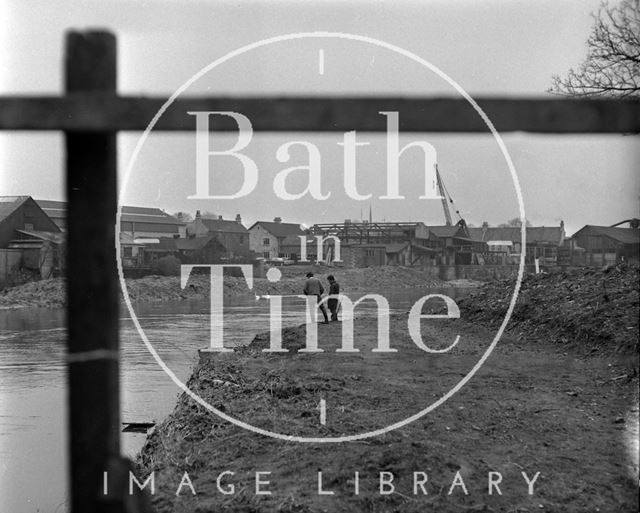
(32, 235)
(32, 238)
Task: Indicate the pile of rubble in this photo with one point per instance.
(592, 308)
(51, 293)
(44, 293)
(369, 278)
(166, 288)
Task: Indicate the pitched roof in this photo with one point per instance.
(535, 234)
(9, 204)
(54, 209)
(148, 215)
(223, 225)
(551, 234)
(623, 235)
(280, 229)
(58, 209)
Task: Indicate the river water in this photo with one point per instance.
(33, 411)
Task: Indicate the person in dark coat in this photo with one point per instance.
(313, 287)
(334, 289)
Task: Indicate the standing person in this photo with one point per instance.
(334, 290)
(313, 287)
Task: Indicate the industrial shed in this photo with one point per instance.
(608, 245)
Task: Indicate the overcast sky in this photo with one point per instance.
(507, 48)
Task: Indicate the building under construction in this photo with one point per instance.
(366, 243)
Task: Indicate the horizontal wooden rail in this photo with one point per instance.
(104, 112)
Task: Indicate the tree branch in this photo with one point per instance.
(612, 65)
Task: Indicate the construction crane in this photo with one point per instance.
(633, 223)
(446, 199)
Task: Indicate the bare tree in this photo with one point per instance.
(207, 214)
(612, 65)
(183, 217)
(515, 222)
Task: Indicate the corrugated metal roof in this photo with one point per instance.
(52, 205)
(161, 218)
(58, 209)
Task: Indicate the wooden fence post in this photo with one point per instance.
(94, 423)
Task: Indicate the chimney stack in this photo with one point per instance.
(238, 219)
(198, 216)
(277, 219)
(485, 227)
(219, 218)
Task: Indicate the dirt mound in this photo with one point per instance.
(52, 293)
(535, 409)
(45, 293)
(167, 288)
(595, 309)
(370, 277)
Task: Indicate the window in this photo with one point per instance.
(370, 252)
(28, 226)
(241, 239)
(266, 254)
(265, 241)
(127, 252)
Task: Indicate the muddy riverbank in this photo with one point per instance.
(51, 293)
(543, 411)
